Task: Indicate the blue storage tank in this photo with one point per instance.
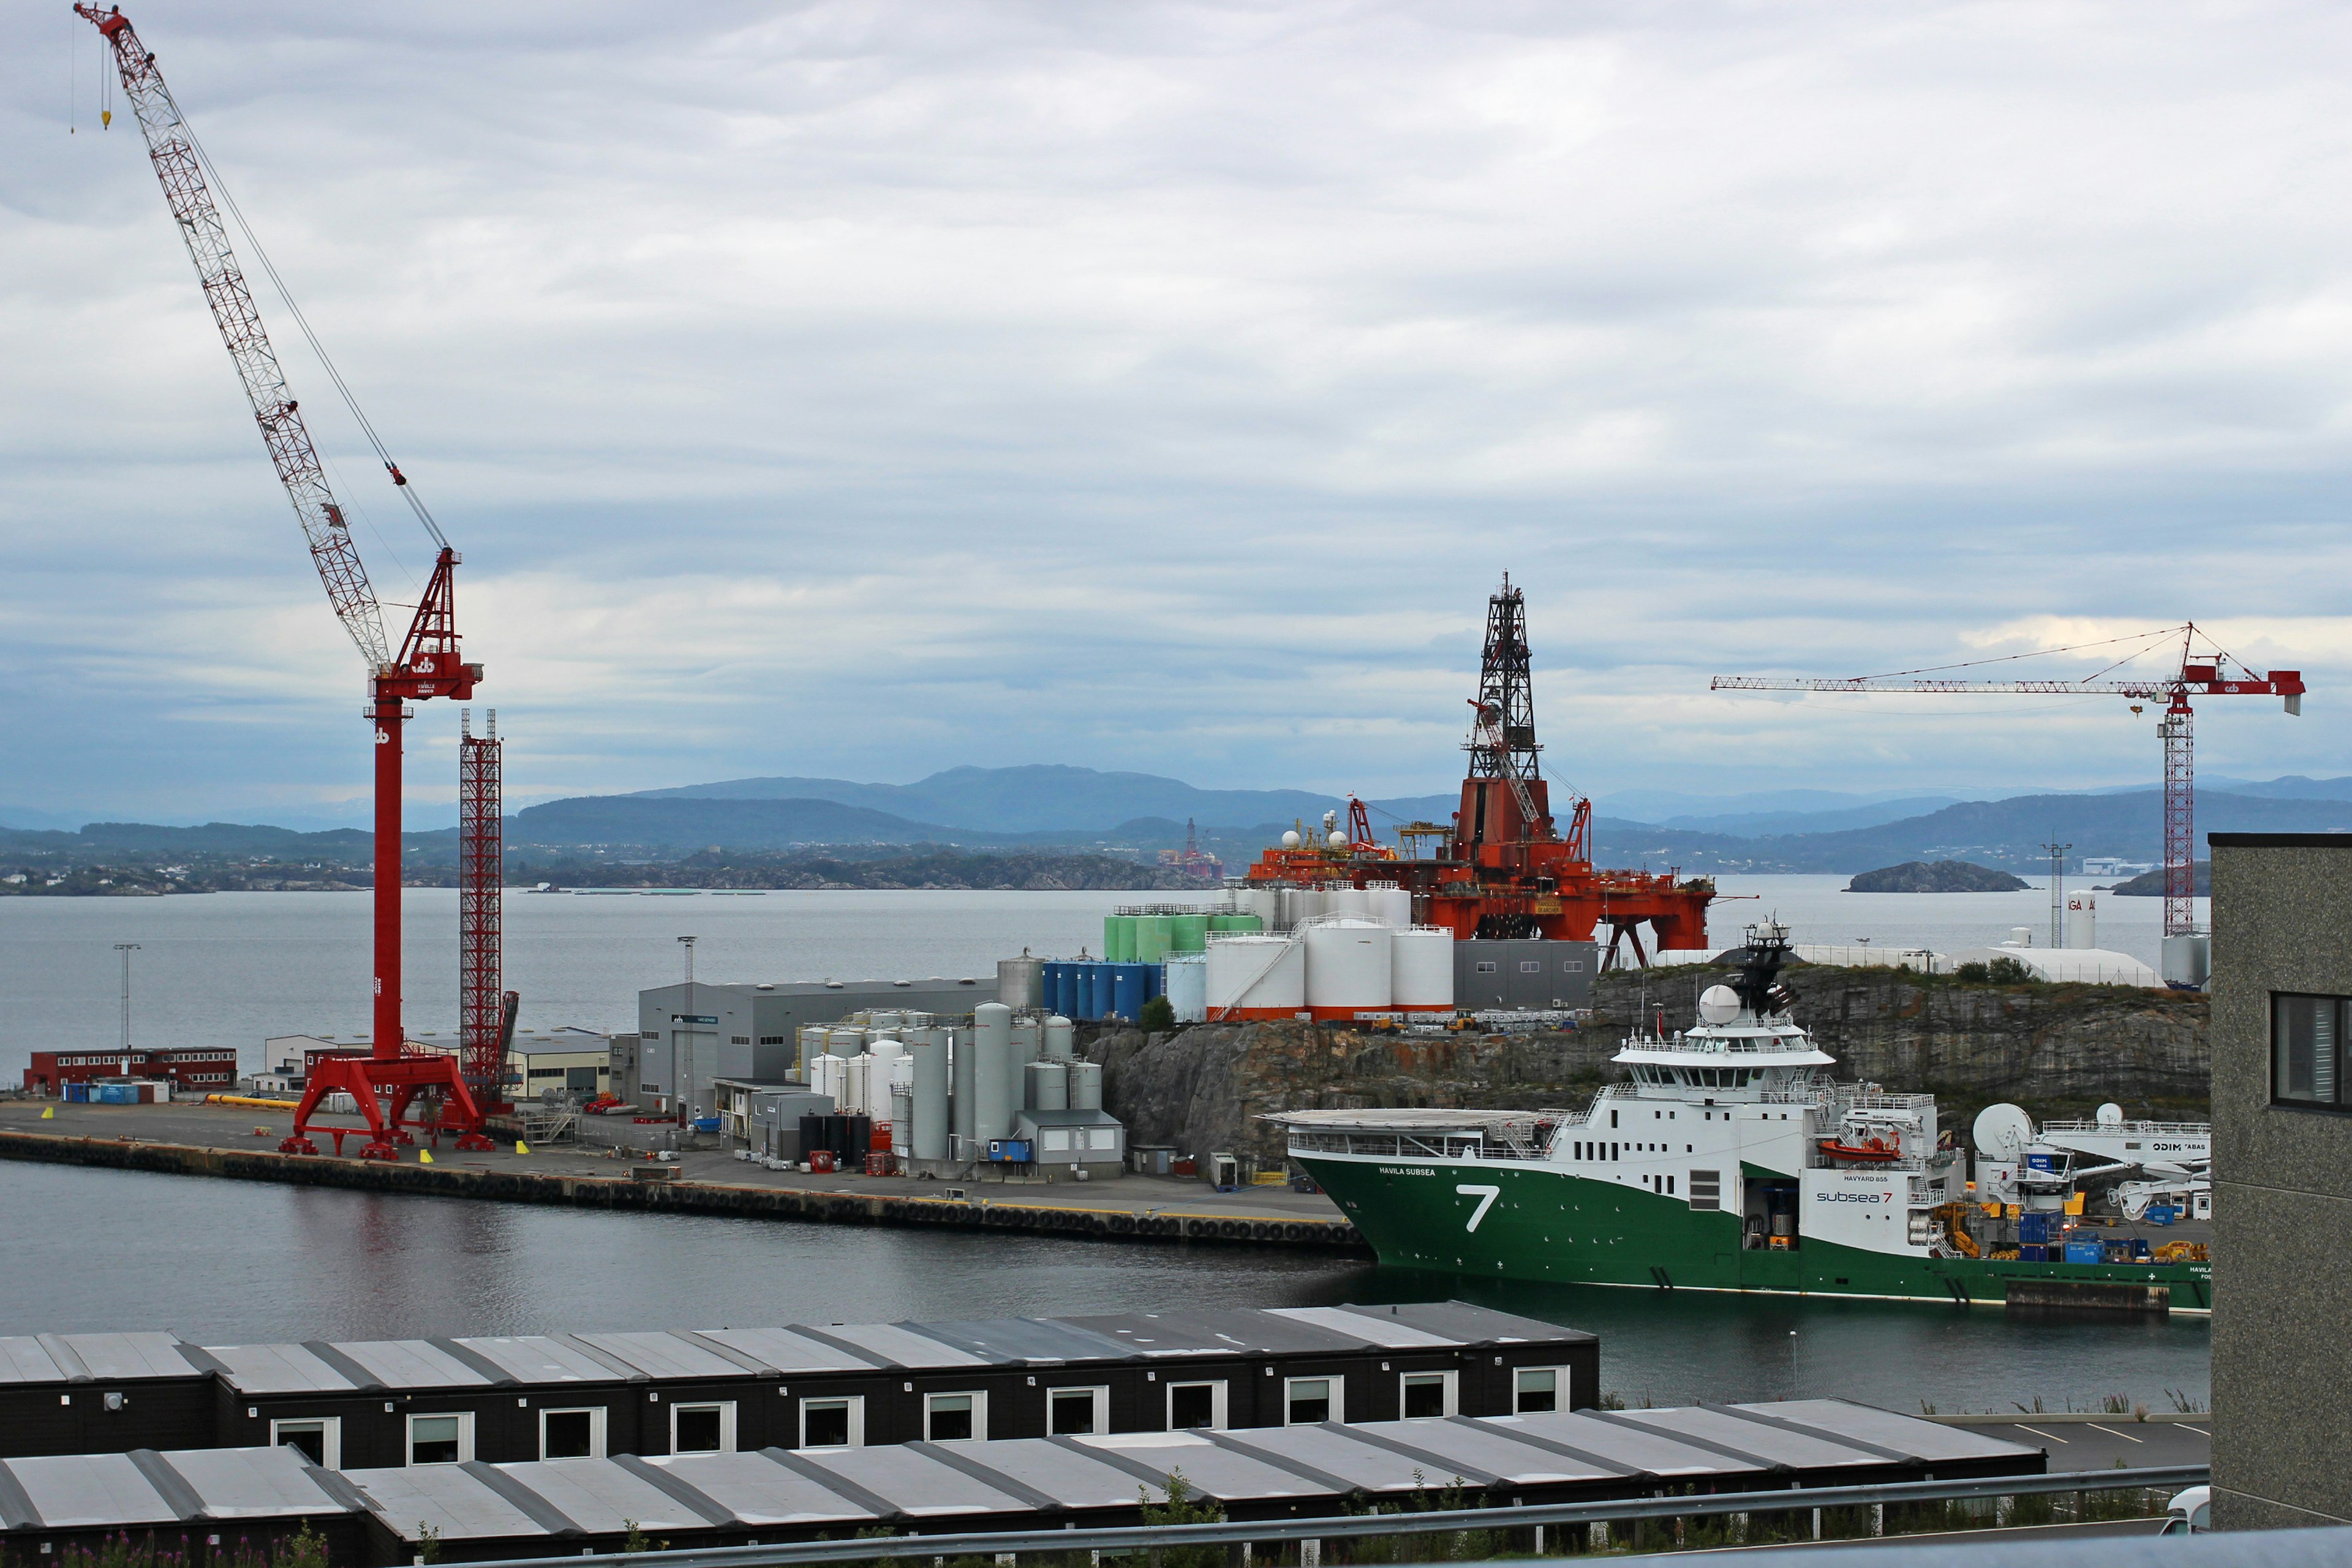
(1049, 985)
(1102, 977)
(1155, 980)
(1082, 993)
(1066, 991)
(1127, 998)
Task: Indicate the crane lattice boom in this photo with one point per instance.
(181, 171)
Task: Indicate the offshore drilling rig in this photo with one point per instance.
(1503, 869)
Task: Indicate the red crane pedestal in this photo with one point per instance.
(429, 666)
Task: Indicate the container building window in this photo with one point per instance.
(955, 1417)
(1427, 1395)
(1537, 1389)
(1196, 1407)
(702, 1428)
(1485, 967)
(321, 1439)
(834, 1423)
(2307, 1050)
(441, 1439)
(571, 1433)
(1078, 1412)
(1310, 1400)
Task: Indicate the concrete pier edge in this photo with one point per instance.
(449, 1181)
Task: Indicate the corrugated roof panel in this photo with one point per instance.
(786, 1351)
(1473, 1325)
(1037, 1340)
(90, 1491)
(412, 1364)
(1376, 1328)
(540, 1358)
(903, 1346)
(759, 1491)
(132, 1355)
(1072, 1478)
(278, 1368)
(664, 1355)
(457, 1505)
(1636, 1448)
(914, 1483)
(1217, 1333)
(1373, 1469)
(1777, 1444)
(1906, 1434)
(251, 1483)
(21, 1360)
(1220, 1472)
(603, 1498)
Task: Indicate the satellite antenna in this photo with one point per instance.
(2002, 1131)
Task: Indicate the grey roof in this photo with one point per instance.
(87, 1358)
(1012, 1483)
(542, 1360)
(109, 1492)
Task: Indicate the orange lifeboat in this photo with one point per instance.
(1870, 1152)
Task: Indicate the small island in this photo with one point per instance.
(1943, 876)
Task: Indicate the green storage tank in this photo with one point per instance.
(1119, 939)
(1189, 934)
(1152, 935)
(1235, 922)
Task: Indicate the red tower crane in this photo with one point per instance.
(2205, 675)
(428, 662)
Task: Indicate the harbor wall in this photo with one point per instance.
(2058, 1050)
(977, 1213)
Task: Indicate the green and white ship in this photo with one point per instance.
(1730, 1159)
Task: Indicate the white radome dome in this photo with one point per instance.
(2111, 1115)
(1718, 1005)
(1339, 839)
(1290, 839)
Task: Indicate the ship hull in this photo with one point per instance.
(1520, 1220)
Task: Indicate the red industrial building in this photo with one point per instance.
(205, 1068)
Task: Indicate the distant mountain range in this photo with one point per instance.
(1042, 807)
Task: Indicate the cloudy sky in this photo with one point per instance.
(863, 389)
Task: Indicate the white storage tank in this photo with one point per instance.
(828, 1075)
(1049, 1086)
(856, 1095)
(887, 1057)
(1391, 905)
(812, 1037)
(1021, 981)
(994, 1090)
(1061, 1039)
(929, 1138)
(843, 1042)
(1347, 968)
(1188, 986)
(960, 1057)
(1086, 1086)
(1265, 903)
(882, 1020)
(1345, 898)
(1028, 1042)
(917, 1020)
(1420, 969)
(1256, 976)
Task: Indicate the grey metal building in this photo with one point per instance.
(689, 1036)
(2281, 990)
(1524, 975)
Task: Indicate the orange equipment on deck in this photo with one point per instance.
(1505, 870)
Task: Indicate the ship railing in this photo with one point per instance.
(2152, 1129)
(1524, 1142)
(1879, 1100)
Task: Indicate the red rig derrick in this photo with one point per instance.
(428, 664)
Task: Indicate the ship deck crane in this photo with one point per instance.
(428, 662)
(2203, 675)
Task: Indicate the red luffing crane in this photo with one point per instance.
(2203, 675)
(427, 664)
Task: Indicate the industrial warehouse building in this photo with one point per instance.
(2282, 989)
(498, 1399)
(205, 1069)
(690, 1035)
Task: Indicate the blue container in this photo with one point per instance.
(1009, 1150)
(1065, 991)
(117, 1094)
(1127, 995)
(2034, 1226)
(2085, 1252)
(2032, 1252)
(78, 1093)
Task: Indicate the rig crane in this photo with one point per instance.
(2206, 675)
(428, 663)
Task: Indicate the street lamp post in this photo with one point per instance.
(685, 1074)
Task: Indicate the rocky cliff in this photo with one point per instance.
(2059, 1050)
